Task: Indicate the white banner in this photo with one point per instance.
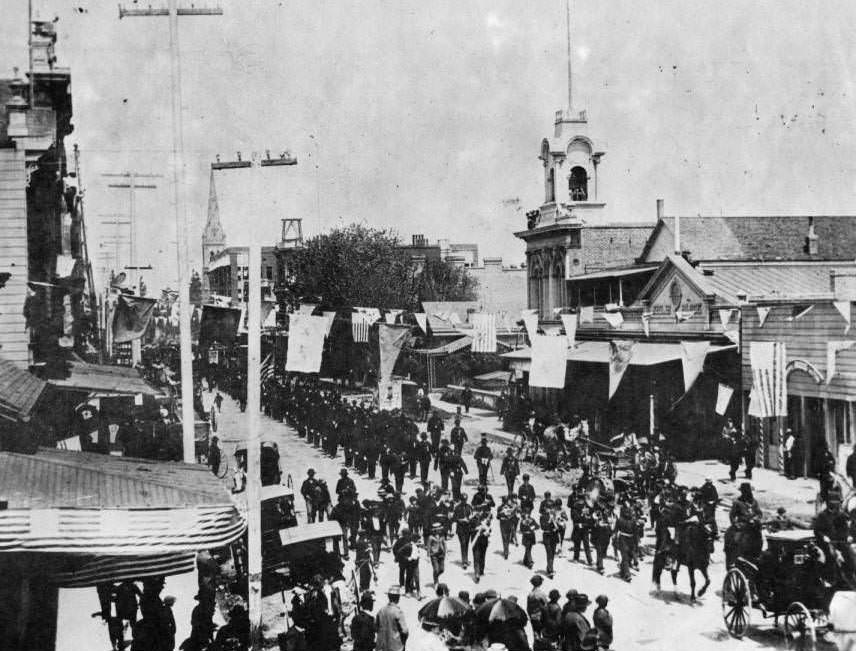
(531, 323)
(832, 349)
(693, 354)
(389, 395)
(763, 312)
(843, 308)
(391, 316)
(569, 321)
(587, 314)
(484, 333)
(723, 397)
(725, 317)
(549, 362)
(307, 308)
(330, 316)
(305, 343)
(615, 319)
(767, 359)
(422, 321)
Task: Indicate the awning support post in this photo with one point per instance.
(651, 417)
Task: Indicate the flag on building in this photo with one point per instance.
(484, 333)
(767, 360)
(266, 371)
(131, 317)
(620, 354)
(360, 327)
(693, 354)
(305, 343)
(832, 350)
(723, 397)
(391, 339)
(569, 322)
(549, 362)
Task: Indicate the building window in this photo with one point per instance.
(269, 273)
(551, 185)
(578, 184)
(840, 416)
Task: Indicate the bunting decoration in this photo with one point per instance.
(360, 327)
(556, 310)
(646, 323)
(530, 321)
(681, 315)
(762, 315)
(693, 354)
(725, 317)
(269, 311)
(569, 321)
(723, 397)
(266, 371)
(620, 354)
(330, 316)
(305, 343)
(733, 336)
(307, 308)
(832, 349)
(131, 317)
(422, 321)
(799, 311)
(615, 319)
(484, 333)
(549, 362)
(843, 308)
(767, 359)
(587, 314)
(372, 314)
(391, 339)
(391, 316)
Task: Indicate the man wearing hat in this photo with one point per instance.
(745, 517)
(483, 457)
(391, 627)
(345, 484)
(602, 620)
(574, 624)
(423, 455)
(510, 469)
(526, 493)
(437, 551)
(307, 489)
(463, 516)
(458, 436)
(363, 625)
(536, 602)
(709, 497)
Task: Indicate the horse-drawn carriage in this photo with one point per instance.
(787, 581)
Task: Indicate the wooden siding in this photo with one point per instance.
(806, 340)
(14, 338)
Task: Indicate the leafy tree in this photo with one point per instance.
(361, 266)
(195, 289)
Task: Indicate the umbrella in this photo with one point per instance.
(442, 609)
(501, 610)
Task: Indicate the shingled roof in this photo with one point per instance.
(757, 237)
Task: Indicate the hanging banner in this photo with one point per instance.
(762, 315)
(767, 359)
(693, 354)
(422, 321)
(330, 316)
(360, 327)
(531, 323)
(569, 321)
(391, 316)
(756, 407)
(843, 308)
(723, 397)
(587, 314)
(832, 349)
(269, 311)
(725, 317)
(307, 308)
(615, 319)
(372, 314)
(131, 317)
(389, 395)
(484, 333)
(646, 323)
(549, 362)
(681, 315)
(218, 324)
(305, 343)
(620, 353)
(391, 339)
(552, 331)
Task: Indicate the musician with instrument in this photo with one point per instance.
(481, 537)
(528, 526)
(506, 516)
(550, 536)
(464, 524)
(483, 457)
(510, 469)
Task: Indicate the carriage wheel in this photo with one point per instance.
(736, 603)
(799, 628)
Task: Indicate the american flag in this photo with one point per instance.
(360, 327)
(484, 333)
(267, 368)
(768, 397)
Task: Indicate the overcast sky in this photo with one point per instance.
(427, 115)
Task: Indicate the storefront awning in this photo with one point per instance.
(598, 352)
(19, 391)
(88, 571)
(77, 502)
(104, 379)
(616, 273)
(446, 349)
(313, 531)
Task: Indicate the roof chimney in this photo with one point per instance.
(659, 209)
(678, 235)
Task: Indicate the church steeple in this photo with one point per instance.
(213, 237)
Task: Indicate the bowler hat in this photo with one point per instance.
(394, 591)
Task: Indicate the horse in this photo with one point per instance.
(743, 542)
(691, 551)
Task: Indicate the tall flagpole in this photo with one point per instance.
(254, 485)
(570, 79)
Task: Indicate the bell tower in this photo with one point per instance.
(213, 237)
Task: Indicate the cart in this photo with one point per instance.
(785, 583)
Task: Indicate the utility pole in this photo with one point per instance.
(172, 11)
(254, 343)
(132, 186)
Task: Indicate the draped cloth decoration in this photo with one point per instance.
(530, 321)
(843, 308)
(725, 317)
(646, 323)
(484, 333)
(219, 324)
(693, 354)
(832, 350)
(360, 327)
(569, 321)
(723, 397)
(615, 319)
(620, 353)
(305, 343)
(587, 314)
(131, 317)
(763, 312)
(549, 362)
(767, 359)
(391, 316)
(307, 308)
(391, 339)
(422, 321)
(330, 316)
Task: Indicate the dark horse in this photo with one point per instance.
(692, 552)
(744, 541)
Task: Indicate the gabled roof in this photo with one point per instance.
(758, 237)
(19, 391)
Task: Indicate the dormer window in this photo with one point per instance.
(578, 184)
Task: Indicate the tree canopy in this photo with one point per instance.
(357, 265)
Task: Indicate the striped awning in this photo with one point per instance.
(89, 571)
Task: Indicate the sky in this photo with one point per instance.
(427, 116)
